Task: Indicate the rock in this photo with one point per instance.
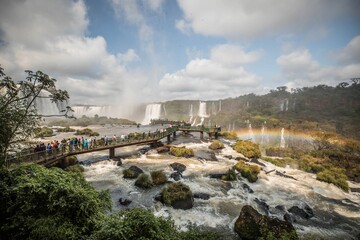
(252, 225)
(179, 167)
(144, 181)
(256, 161)
(163, 149)
(206, 155)
(178, 195)
(355, 190)
(228, 156)
(288, 218)
(132, 172)
(204, 196)
(158, 197)
(247, 188)
(124, 202)
(158, 177)
(176, 176)
(284, 175)
(262, 205)
(280, 208)
(119, 163)
(270, 171)
(216, 175)
(305, 212)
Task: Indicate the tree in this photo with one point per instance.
(18, 116)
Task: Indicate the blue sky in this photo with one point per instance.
(122, 52)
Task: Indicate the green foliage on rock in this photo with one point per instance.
(42, 203)
(335, 176)
(229, 135)
(216, 144)
(87, 131)
(247, 148)
(181, 152)
(128, 173)
(247, 171)
(229, 176)
(175, 191)
(143, 181)
(43, 132)
(75, 168)
(158, 177)
(66, 129)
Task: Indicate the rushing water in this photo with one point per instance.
(337, 214)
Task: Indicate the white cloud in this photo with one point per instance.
(299, 69)
(56, 44)
(351, 53)
(129, 56)
(154, 5)
(220, 76)
(248, 18)
(234, 55)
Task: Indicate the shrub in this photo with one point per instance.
(75, 168)
(229, 176)
(335, 176)
(128, 173)
(181, 152)
(175, 191)
(38, 202)
(43, 132)
(66, 129)
(158, 177)
(247, 148)
(136, 223)
(143, 181)
(248, 171)
(216, 144)
(86, 131)
(229, 135)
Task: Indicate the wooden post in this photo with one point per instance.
(168, 138)
(111, 152)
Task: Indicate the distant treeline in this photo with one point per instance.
(320, 107)
(86, 121)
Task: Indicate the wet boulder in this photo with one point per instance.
(132, 172)
(176, 176)
(179, 167)
(304, 211)
(216, 175)
(256, 161)
(263, 206)
(203, 196)
(144, 181)
(124, 201)
(163, 149)
(247, 188)
(178, 195)
(158, 177)
(253, 225)
(288, 218)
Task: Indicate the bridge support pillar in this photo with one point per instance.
(168, 137)
(216, 135)
(174, 134)
(210, 135)
(201, 135)
(111, 152)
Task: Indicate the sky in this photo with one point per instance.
(122, 52)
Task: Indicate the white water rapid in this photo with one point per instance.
(153, 111)
(336, 213)
(191, 113)
(90, 111)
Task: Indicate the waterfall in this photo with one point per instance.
(202, 110)
(152, 111)
(251, 134)
(90, 111)
(282, 139)
(194, 122)
(191, 113)
(164, 109)
(219, 105)
(44, 106)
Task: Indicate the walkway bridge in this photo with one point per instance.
(53, 156)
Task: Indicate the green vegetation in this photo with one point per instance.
(229, 135)
(87, 131)
(85, 121)
(181, 152)
(229, 176)
(66, 129)
(43, 132)
(247, 148)
(42, 203)
(248, 171)
(335, 176)
(175, 191)
(19, 119)
(128, 173)
(143, 181)
(75, 168)
(158, 177)
(216, 144)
